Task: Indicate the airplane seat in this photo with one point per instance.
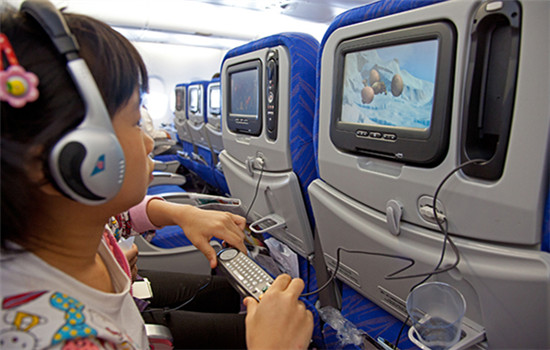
(203, 157)
(213, 128)
(268, 91)
(165, 145)
(167, 162)
(160, 337)
(169, 249)
(213, 120)
(183, 134)
(165, 180)
(286, 152)
(377, 180)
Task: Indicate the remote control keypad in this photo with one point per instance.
(256, 280)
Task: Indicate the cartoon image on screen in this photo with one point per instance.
(391, 86)
(244, 93)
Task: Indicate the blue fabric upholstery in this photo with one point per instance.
(166, 157)
(360, 14)
(221, 182)
(187, 147)
(159, 189)
(205, 171)
(303, 53)
(367, 316)
(546, 226)
(170, 237)
(307, 273)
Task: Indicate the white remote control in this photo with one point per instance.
(244, 273)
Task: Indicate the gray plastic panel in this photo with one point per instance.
(181, 126)
(279, 193)
(198, 133)
(275, 153)
(195, 121)
(215, 137)
(181, 259)
(509, 210)
(507, 290)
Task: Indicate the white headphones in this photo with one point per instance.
(87, 164)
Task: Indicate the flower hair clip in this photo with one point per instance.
(17, 86)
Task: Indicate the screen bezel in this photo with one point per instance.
(214, 110)
(415, 146)
(242, 123)
(181, 98)
(190, 90)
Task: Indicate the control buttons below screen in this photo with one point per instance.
(376, 135)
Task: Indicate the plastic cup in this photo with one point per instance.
(126, 244)
(436, 310)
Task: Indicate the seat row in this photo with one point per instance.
(348, 145)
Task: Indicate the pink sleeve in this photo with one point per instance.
(138, 215)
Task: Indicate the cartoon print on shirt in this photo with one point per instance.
(20, 337)
(124, 340)
(20, 299)
(75, 326)
(17, 340)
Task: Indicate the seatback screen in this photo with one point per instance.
(391, 86)
(244, 97)
(392, 93)
(194, 99)
(180, 98)
(244, 93)
(215, 99)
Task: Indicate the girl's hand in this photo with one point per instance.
(200, 225)
(279, 320)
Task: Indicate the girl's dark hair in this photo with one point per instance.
(118, 70)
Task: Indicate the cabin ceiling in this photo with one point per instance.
(211, 23)
(321, 11)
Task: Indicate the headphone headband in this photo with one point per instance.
(53, 23)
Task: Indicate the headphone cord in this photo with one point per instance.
(255, 191)
(168, 310)
(446, 238)
(426, 275)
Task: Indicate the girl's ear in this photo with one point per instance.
(36, 174)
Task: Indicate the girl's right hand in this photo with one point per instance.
(279, 320)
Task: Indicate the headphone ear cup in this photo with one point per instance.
(88, 165)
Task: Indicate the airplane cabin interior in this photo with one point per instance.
(374, 148)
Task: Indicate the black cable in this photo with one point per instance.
(337, 266)
(255, 192)
(446, 237)
(166, 310)
(427, 275)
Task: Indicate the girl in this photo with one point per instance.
(61, 286)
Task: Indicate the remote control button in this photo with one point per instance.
(229, 254)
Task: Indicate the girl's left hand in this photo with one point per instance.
(200, 225)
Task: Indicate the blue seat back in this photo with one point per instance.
(303, 51)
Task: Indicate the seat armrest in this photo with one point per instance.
(164, 178)
(168, 166)
(159, 336)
